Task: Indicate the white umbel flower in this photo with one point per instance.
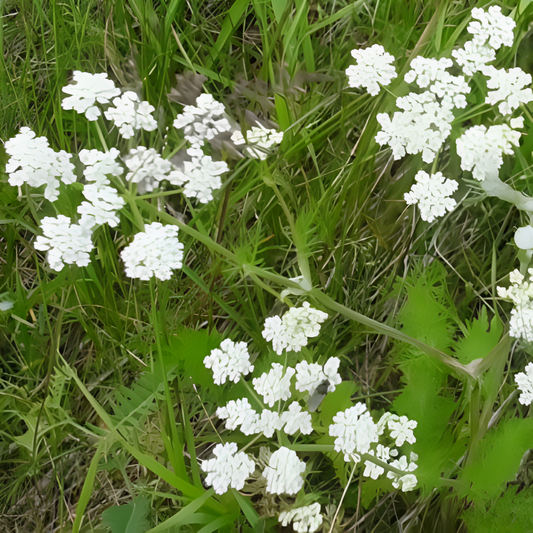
(274, 385)
(293, 330)
(421, 127)
(259, 141)
(524, 380)
(101, 207)
(407, 481)
(99, 165)
(521, 323)
(230, 361)
(154, 252)
(432, 194)
(130, 114)
(310, 376)
(66, 243)
(32, 161)
(521, 294)
(373, 470)
(284, 472)
(481, 149)
(204, 121)
(432, 74)
(304, 519)
(146, 168)
(200, 176)
(425, 71)
(511, 88)
(521, 290)
(89, 89)
(295, 420)
(493, 27)
(229, 468)
(239, 413)
(267, 423)
(355, 431)
(473, 57)
(374, 68)
(401, 429)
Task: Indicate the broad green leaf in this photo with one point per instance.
(497, 458)
(338, 400)
(129, 518)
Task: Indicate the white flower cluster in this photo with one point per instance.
(32, 161)
(309, 376)
(103, 201)
(292, 331)
(229, 468)
(383, 453)
(200, 176)
(304, 519)
(524, 380)
(374, 68)
(404, 481)
(355, 431)
(89, 89)
(284, 472)
(230, 361)
(493, 27)
(99, 165)
(425, 120)
(432, 74)
(473, 57)
(259, 140)
(204, 121)
(66, 243)
(357, 434)
(101, 206)
(521, 294)
(422, 126)
(432, 194)
(146, 168)
(481, 149)
(130, 114)
(154, 252)
(274, 385)
(239, 413)
(508, 88)
(490, 31)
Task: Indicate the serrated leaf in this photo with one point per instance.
(422, 400)
(189, 348)
(497, 458)
(480, 339)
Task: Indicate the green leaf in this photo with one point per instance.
(189, 348)
(479, 339)
(509, 513)
(129, 518)
(497, 458)
(338, 400)
(422, 400)
(428, 314)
